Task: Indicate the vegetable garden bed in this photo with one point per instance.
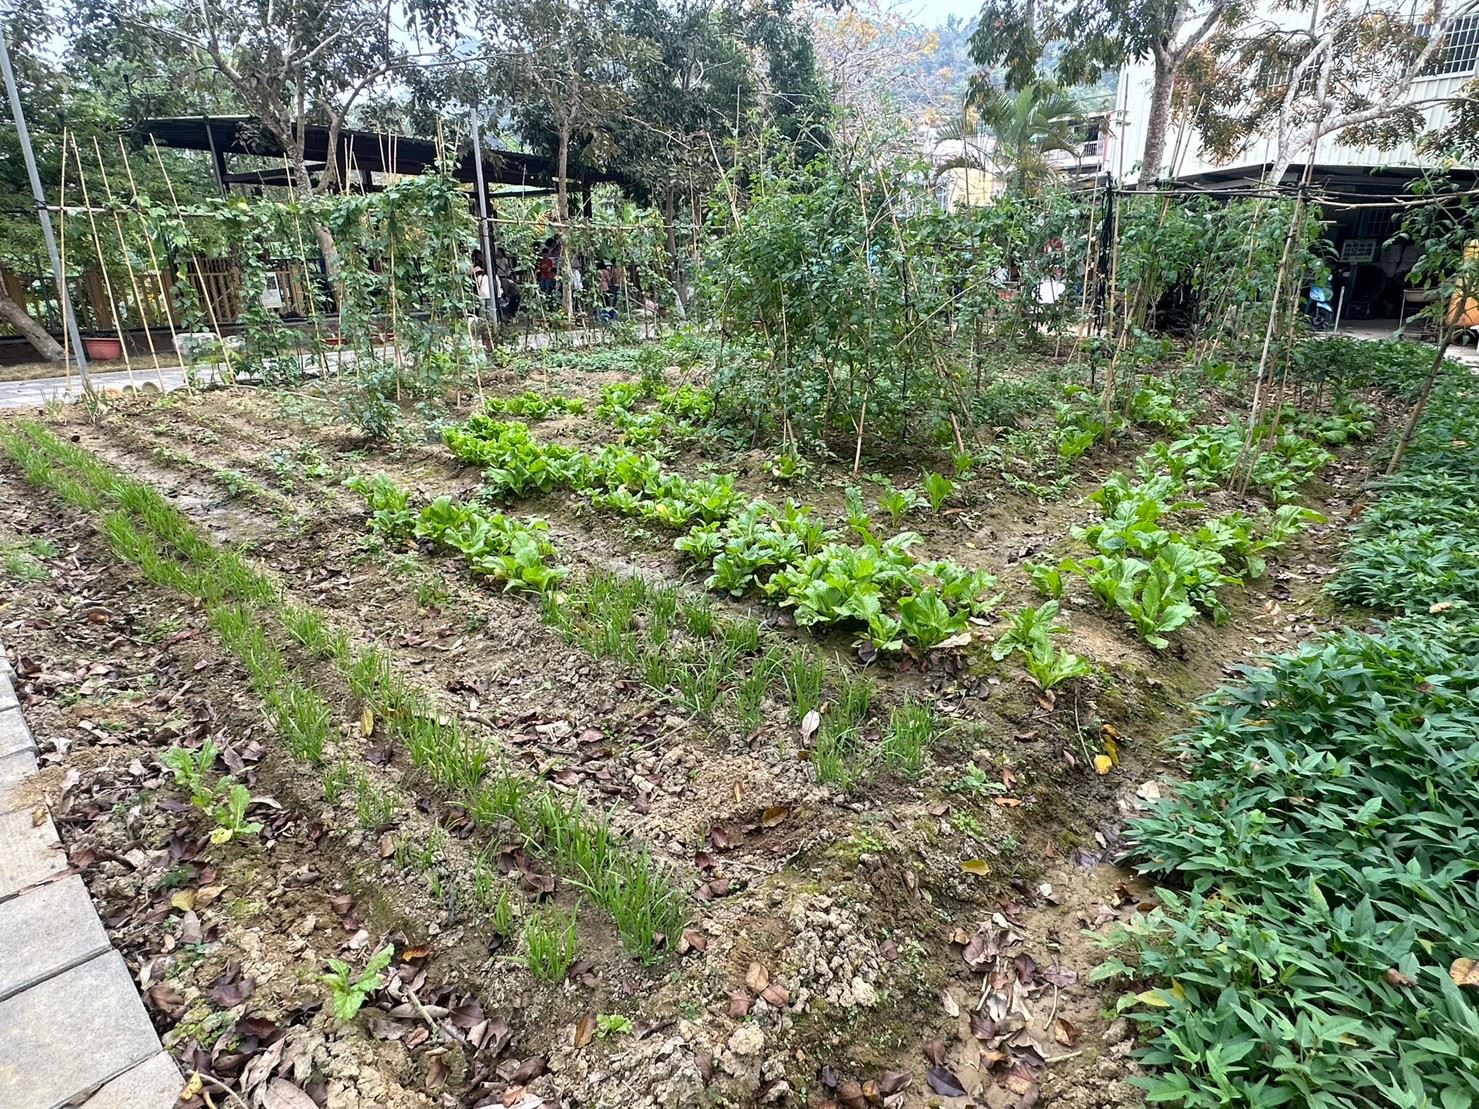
(620, 764)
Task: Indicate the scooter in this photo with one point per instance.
(1318, 308)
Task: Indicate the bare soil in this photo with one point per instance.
(900, 974)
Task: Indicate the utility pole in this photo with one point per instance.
(42, 212)
(489, 269)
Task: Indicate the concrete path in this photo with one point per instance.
(38, 392)
(73, 1031)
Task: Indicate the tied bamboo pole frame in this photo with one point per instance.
(97, 243)
(164, 295)
(205, 298)
(138, 294)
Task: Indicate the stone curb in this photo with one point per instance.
(73, 1030)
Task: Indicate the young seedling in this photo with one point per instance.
(1031, 633)
(937, 487)
(1046, 577)
(859, 520)
(230, 814)
(613, 1024)
(373, 808)
(908, 734)
(854, 697)
(788, 465)
(804, 675)
(549, 944)
(189, 769)
(349, 992)
(336, 781)
(698, 615)
(898, 503)
(504, 916)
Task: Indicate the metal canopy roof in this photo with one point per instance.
(1350, 182)
(362, 153)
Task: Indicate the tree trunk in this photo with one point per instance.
(669, 219)
(1445, 337)
(326, 244)
(17, 316)
(562, 215)
(1158, 118)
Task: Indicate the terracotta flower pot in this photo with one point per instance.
(102, 349)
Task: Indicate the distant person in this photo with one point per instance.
(616, 284)
(544, 274)
(577, 277)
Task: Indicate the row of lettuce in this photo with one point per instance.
(1316, 943)
(1140, 565)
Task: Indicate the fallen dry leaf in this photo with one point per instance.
(695, 940)
(944, 1082)
(1465, 972)
(367, 722)
(1103, 764)
(809, 725)
(1396, 978)
(773, 816)
(585, 1030)
(757, 977)
(892, 1081)
(979, 867)
(952, 1009)
(282, 1094)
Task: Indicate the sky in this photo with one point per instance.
(933, 12)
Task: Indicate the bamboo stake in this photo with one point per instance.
(62, 253)
(133, 279)
(164, 297)
(210, 308)
(315, 317)
(97, 243)
(1244, 456)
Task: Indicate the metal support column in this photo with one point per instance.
(43, 213)
(477, 160)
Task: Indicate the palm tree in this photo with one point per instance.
(1012, 134)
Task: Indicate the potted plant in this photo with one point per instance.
(102, 348)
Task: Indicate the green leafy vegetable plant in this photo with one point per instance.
(937, 488)
(349, 991)
(390, 512)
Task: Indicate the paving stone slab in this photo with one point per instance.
(17, 773)
(71, 1034)
(16, 768)
(153, 1084)
(8, 699)
(29, 853)
(47, 930)
(14, 735)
